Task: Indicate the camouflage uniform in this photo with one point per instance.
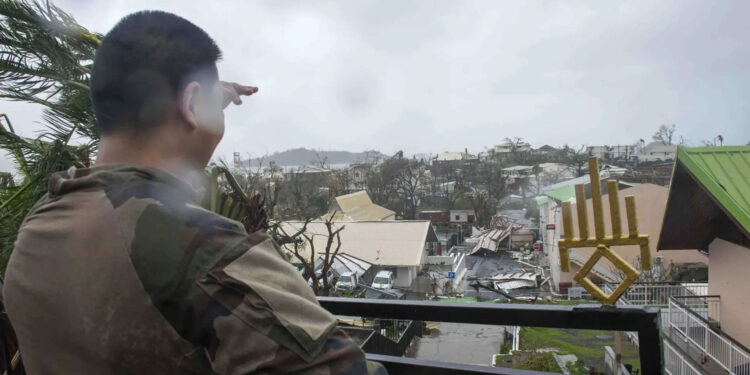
(118, 270)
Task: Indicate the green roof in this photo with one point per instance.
(725, 173)
(563, 193)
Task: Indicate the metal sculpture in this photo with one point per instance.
(602, 243)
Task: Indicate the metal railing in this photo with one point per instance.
(658, 294)
(695, 319)
(706, 307)
(640, 319)
(655, 294)
(677, 364)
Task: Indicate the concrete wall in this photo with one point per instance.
(405, 276)
(729, 278)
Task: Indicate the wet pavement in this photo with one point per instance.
(459, 343)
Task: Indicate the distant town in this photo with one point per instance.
(457, 226)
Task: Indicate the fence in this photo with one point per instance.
(695, 319)
(675, 363)
(658, 294)
(611, 365)
(395, 342)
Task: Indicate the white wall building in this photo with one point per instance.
(397, 246)
(657, 151)
(462, 216)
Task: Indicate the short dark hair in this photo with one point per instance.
(141, 66)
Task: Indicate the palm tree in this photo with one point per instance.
(46, 59)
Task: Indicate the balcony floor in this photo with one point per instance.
(693, 352)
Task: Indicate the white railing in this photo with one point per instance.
(692, 323)
(658, 294)
(653, 294)
(676, 364)
(611, 365)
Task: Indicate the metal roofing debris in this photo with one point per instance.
(343, 263)
(725, 173)
(515, 280)
(358, 207)
(490, 239)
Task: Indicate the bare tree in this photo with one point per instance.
(302, 239)
(577, 158)
(665, 134)
(320, 160)
(397, 184)
(658, 272)
(408, 182)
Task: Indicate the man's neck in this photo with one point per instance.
(139, 152)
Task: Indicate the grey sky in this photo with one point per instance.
(428, 76)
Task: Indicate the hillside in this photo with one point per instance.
(304, 156)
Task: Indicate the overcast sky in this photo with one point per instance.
(428, 77)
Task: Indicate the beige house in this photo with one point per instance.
(650, 203)
(358, 207)
(397, 246)
(709, 209)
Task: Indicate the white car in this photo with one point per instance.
(331, 279)
(383, 280)
(347, 281)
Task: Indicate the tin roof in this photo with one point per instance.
(725, 173)
(709, 197)
(358, 207)
(382, 243)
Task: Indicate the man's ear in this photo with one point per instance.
(188, 103)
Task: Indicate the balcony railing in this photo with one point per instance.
(655, 294)
(659, 294)
(641, 319)
(675, 363)
(696, 319)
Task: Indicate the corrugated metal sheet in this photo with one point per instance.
(359, 207)
(725, 173)
(385, 243)
(344, 263)
(515, 280)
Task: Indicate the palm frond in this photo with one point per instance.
(45, 59)
(226, 197)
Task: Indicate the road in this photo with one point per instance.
(459, 343)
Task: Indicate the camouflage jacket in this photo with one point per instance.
(119, 270)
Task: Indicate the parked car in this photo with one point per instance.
(347, 281)
(383, 280)
(318, 273)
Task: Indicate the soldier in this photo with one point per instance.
(119, 270)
